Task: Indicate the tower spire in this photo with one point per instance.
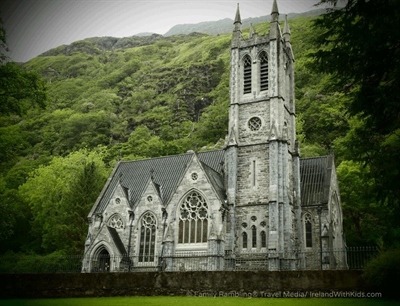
(275, 31)
(275, 11)
(237, 31)
(238, 20)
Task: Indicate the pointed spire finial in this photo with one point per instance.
(275, 11)
(237, 17)
(286, 30)
(251, 31)
(237, 31)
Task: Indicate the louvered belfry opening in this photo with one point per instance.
(247, 74)
(263, 71)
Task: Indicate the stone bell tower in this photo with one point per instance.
(262, 162)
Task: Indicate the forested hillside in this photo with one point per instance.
(140, 97)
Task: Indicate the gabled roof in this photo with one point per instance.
(117, 240)
(166, 172)
(216, 181)
(315, 178)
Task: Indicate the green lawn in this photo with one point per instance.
(194, 301)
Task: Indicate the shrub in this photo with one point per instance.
(383, 273)
(11, 262)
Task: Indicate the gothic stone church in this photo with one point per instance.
(254, 197)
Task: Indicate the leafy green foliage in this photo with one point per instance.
(19, 88)
(143, 97)
(383, 273)
(364, 219)
(3, 43)
(360, 48)
(60, 196)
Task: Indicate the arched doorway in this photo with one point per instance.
(102, 261)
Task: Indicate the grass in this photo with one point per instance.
(200, 301)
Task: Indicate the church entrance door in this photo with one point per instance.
(104, 261)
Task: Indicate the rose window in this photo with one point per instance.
(254, 124)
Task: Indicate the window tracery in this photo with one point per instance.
(193, 219)
(147, 238)
(254, 123)
(116, 222)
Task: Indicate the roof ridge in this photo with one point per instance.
(314, 157)
(168, 156)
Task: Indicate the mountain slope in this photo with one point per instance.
(225, 25)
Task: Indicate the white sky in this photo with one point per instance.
(35, 26)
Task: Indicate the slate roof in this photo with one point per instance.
(166, 172)
(117, 240)
(315, 178)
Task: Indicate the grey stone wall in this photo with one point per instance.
(257, 284)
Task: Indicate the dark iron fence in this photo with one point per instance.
(348, 258)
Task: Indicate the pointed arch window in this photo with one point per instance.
(147, 238)
(193, 219)
(246, 74)
(263, 59)
(253, 236)
(263, 239)
(244, 240)
(308, 230)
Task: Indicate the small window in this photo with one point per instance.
(263, 71)
(253, 237)
(254, 123)
(308, 230)
(263, 239)
(116, 222)
(247, 74)
(244, 240)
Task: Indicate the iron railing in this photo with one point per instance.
(348, 258)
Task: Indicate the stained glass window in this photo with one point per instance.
(193, 219)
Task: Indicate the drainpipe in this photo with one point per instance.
(131, 218)
(160, 261)
(320, 235)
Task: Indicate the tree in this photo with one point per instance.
(60, 196)
(363, 219)
(3, 43)
(17, 86)
(360, 48)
